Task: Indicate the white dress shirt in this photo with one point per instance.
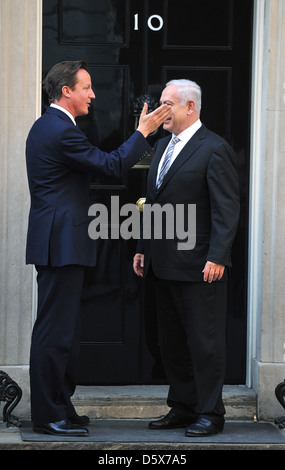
(184, 137)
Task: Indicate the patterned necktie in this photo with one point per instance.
(166, 163)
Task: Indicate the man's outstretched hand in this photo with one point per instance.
(148, 123)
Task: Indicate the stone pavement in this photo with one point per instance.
(119, 423)
(125, 434)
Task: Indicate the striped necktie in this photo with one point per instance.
(166, 163)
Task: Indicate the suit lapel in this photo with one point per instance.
(188, 150)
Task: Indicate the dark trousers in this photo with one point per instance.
(192, 334)
(55, 343)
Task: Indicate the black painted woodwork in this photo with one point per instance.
(133, 48)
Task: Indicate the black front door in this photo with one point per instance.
(133, 48)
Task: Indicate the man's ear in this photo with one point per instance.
(190, 106)
(66, 91)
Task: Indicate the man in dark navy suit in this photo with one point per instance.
(60, 162)
(191, 280)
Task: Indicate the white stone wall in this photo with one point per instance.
(20, 62)
(267, 243)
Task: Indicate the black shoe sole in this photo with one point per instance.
(178, 426)
(63, 433)
(201, 434)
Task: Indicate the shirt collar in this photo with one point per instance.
(64, 111)
(189, 132)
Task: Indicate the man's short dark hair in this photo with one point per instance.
(62, 74)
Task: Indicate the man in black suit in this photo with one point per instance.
(60, 162)
(191, 281)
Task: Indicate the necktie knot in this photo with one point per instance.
(175, 140)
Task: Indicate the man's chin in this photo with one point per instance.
(83, 113)
(167, 126)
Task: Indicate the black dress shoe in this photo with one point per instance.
(60, 428)
(170, 421)
(81, 420)
(203, 427)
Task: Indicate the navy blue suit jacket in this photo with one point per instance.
(60, 162)
(203, 174)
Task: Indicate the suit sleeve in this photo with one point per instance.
(78, 153)
(223, 184)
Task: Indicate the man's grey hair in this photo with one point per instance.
(188, 90)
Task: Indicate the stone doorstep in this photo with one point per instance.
(149, 401)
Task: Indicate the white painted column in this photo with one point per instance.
(20, 78)
(267, 236)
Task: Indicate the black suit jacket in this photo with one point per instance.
(204, 174)
(60, 161)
